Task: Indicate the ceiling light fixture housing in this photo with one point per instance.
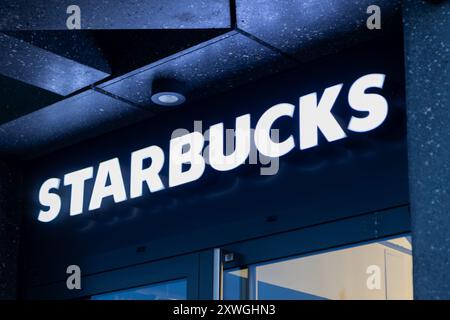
(168, 92)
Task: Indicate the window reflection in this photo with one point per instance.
(235, 284)
(170, 290)
(381, 270)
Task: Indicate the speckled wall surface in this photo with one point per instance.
(427, 40)
(9, 231)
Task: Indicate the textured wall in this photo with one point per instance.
(9, 230)
(427, 41)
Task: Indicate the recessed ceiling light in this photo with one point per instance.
(167, 92)
(168, 98)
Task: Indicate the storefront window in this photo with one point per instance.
(170, 290)
(380, 270)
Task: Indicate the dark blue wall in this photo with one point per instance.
(427, 44)
(9, 231)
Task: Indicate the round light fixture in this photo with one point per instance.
(167, 92)
(168, 98)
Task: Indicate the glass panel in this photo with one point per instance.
(235, 283)
(379, 270)
(170, 290)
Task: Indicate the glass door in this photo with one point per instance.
(167, 279)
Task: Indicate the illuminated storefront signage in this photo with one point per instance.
(315, 114)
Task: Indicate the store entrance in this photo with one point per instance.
(368, 256)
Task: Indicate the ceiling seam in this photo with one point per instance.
(111, 95)
(268, 46)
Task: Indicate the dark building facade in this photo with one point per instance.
(331, 184)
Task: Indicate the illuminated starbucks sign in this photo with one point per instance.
(187, 160)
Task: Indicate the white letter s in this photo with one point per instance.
(51, 200)
(373, 103)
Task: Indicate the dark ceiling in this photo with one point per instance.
(61, 86)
